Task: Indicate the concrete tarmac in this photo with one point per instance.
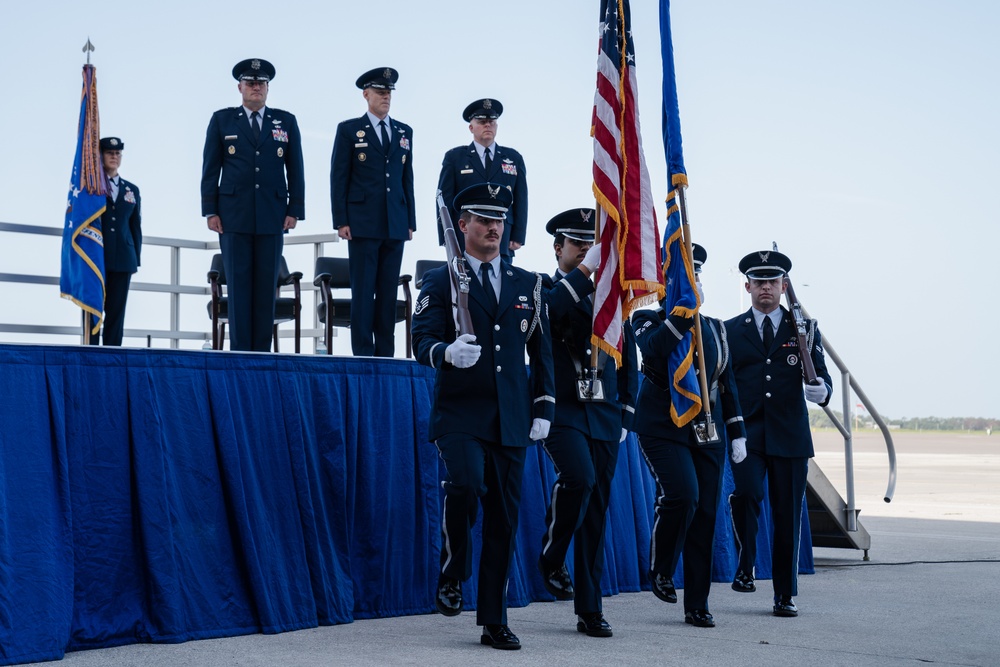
(929, 594)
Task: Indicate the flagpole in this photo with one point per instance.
(597, 237)
(706, 402)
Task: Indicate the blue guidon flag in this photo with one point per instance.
(678, 269)
(82, 277)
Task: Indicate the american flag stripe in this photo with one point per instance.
(629, 275)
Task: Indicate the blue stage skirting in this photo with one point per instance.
(163, 496)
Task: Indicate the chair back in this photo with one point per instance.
(423, 266)
(338, 268)
(218, 271)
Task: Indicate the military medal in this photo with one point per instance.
(232, 150)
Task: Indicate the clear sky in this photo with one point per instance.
(861, 136)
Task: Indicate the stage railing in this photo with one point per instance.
(175, 333)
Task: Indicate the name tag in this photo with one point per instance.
(465, 171)
(364, 145)
(230, 136)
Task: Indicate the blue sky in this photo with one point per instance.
(861, 136)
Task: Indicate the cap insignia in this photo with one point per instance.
(387, 73)
(254, 64)
(114, 142)
(585, 214)
(487, 104)
(493, 192)
(764, 255)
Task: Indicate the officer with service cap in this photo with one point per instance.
(371, 192)
(121, 224)
(252, 192)
(486, 161)
(486, 409)
(687, 468)
(766, 359)
(584, 439)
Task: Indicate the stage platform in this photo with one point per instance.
(162, 496)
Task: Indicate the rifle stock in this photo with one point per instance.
(456, 272)
(801, 332)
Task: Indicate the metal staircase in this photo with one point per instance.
(833, 520)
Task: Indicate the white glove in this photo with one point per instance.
(539, 429)
(701, 292)
(624, 435)
(592, 260)
(463, 353)
(739, 449)
(815, 393)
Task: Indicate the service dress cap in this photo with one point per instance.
(484, 108)
(253, 69)
(698, 256)
(576, 224)
(485, 200)
(765, 265)
(383, 78)
(111, 144)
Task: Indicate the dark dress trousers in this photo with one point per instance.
(481, 417)
(688, 474)
(371, 191)
(252, 183)
(462, 168)
(583, 441)
(121, 225)
(779, 443)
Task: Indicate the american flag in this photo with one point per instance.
(629, 276)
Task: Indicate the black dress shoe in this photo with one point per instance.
(663, 587)
(557, 581)
(743, 582)
(784, 605)
(699, 618)
(594, 624)
(500, 636)
(449, 596)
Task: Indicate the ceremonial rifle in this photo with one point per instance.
(801, 331)
(456, 271)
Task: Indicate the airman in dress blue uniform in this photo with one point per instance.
(766, 359)
(252, 191)
(584, 439)
(122, 228)
(486, 409)
(687, 469)
(485, 161)
(371, 192)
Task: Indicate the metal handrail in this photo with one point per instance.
(174, 287)
(845, 430)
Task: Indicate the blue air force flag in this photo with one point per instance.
(82, 277)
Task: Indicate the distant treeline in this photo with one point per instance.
(818, 419)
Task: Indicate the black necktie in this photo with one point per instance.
(489, 162)
(255, 124)
(484, 274)
(768, 333)
(385, 136)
